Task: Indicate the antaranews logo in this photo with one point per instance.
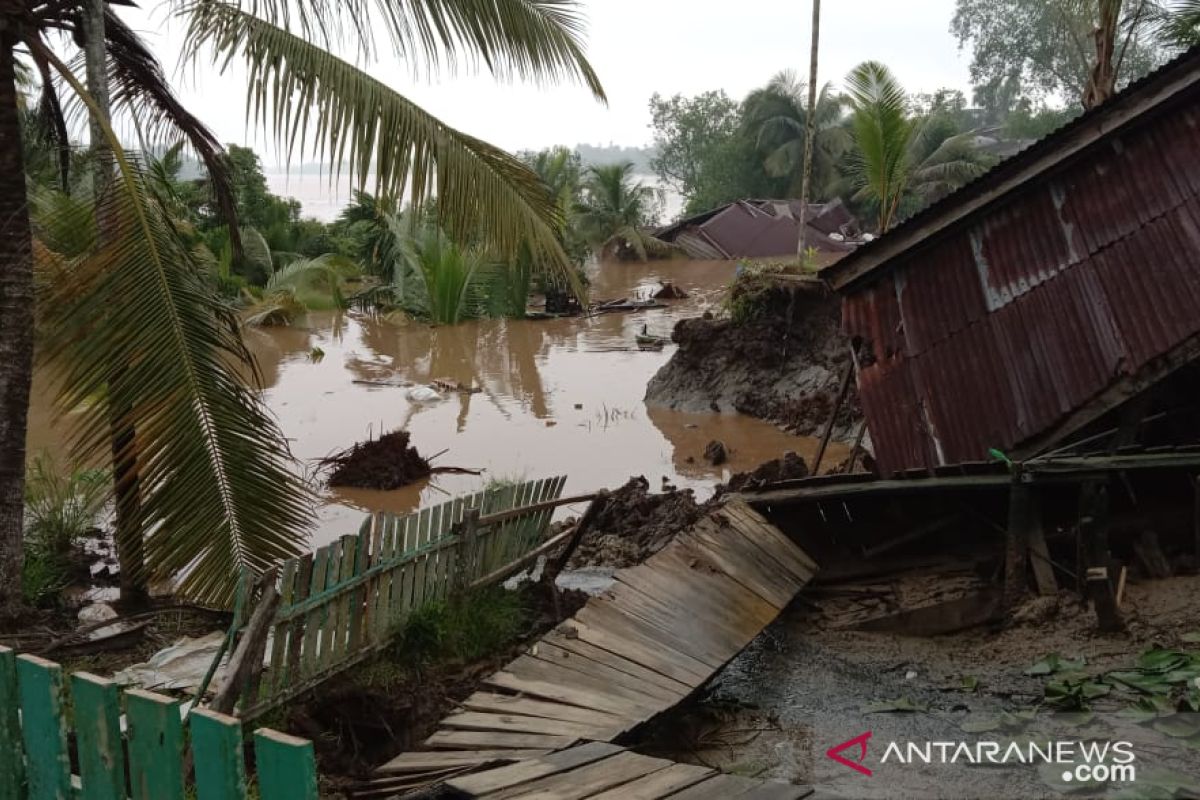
(1081, 761)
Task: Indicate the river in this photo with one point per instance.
(559, 397)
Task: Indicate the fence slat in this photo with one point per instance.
(12, 753)
(155, 746)
(333, 571)
(433, 564)
(345, 603)
(98, 735)
(310, 662)
(286, 766)
(296, 635)
(48, 767)
(279, 638)
(217, 753)
(418, 570)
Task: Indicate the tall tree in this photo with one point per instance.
(208, 503)
(810, 126)
(1049, 46)
(688, 132)
(614, 210)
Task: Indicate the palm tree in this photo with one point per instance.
(777, 117)
(1179, 24)
(900, 164)
(613, 213)
(220, 495)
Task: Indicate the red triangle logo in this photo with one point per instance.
(860, 741)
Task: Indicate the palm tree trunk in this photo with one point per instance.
(126, 483)
(1103, 82)
(810, 129)
(16, 328)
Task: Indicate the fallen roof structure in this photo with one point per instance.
(1041, 296)
(763, 229)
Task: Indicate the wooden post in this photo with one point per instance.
(43, 727)
(155, 746)
(217, 751)
(1093, 532)
(845, 390)
(1020, 520)
(98, 735)
(862, 429)
(287, 768)
(468, 556)
(1039, 556)
(242, 670)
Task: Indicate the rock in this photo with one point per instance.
(100, 612)
(716, 453)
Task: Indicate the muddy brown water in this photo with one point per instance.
(559, 397)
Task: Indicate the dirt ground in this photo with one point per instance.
(806, 685)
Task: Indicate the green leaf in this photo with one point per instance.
(1163, 661)
(901, 705)
(1191, 638)
(970, 683)
(1054, 663)
(1149, 684)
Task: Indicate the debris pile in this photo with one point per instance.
(635, 524)
(790, 467)
(387, 463)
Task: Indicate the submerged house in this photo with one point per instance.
(764, 229)
(1043, 296)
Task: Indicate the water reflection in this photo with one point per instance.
(557, 397)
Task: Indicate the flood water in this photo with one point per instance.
(559, 397)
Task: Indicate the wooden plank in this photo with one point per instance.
(296, 635)
(276, 677)
(217, 754)
(515, 723)
(756, 530)
(347, 614)
(433, 561)
(576, 696)
(718, 787)
(155, 746)
(383, 594)
(484, 783)
(286, 766)
(516, 704)
(636, 649)
(310, 662)
(658, 784)
(98, 737)
(420, 536)
(620, 663)
(446, 759)
(698, 636)
(359, 606)
(535, 669)
(12, 752)
(487, 740)
(587, 780)
(44, 731)
(565, 658)
(1043, 570)
(333, 617)
(603, 617)
(749, 566)
(774, 790)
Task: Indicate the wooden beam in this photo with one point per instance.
(837, 406)
(1039, 557)
(1021, 513)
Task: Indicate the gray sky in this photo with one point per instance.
(638, 47)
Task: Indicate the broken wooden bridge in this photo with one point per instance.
(545, 724)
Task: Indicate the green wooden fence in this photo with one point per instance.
(339, 604)
(139, 756)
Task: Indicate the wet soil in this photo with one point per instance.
(807, 684)
(383, 707)
(634, 524)
(784, 364)
(386, 463)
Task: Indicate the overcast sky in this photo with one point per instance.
(638, 47)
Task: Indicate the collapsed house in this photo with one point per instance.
(765, 229)
(1026, 353)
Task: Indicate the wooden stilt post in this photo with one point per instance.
(837, 407)
(1020, 520)
(1039, 555)
(1093, 531)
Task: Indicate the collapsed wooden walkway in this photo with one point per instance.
(602, 771)
(663, 629)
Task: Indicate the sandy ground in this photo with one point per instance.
(803, 687)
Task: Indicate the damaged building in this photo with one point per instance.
(765, 229)
(1025, 355)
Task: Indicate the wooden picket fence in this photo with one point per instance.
(339, 604)
(139, 754)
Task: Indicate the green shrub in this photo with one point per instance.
(462, 630)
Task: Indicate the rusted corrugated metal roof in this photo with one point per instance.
(1035, 313)
(761, 229)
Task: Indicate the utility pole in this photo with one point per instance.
(810, 125)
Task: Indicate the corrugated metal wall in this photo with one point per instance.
(991, 334)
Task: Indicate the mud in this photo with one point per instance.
(790, 467)
(634, 525)
(805, 686)
(784, 365)
(386, 463)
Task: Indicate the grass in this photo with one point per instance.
(61, 507)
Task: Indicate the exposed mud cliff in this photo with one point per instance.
(781, 358)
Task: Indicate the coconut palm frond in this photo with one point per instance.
(883, 134)
(325, 272)
(1179, 24)
(539, 40)
(256, 251)
(313, 101)
(141, 90)
(218, 493)
(63, 223)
